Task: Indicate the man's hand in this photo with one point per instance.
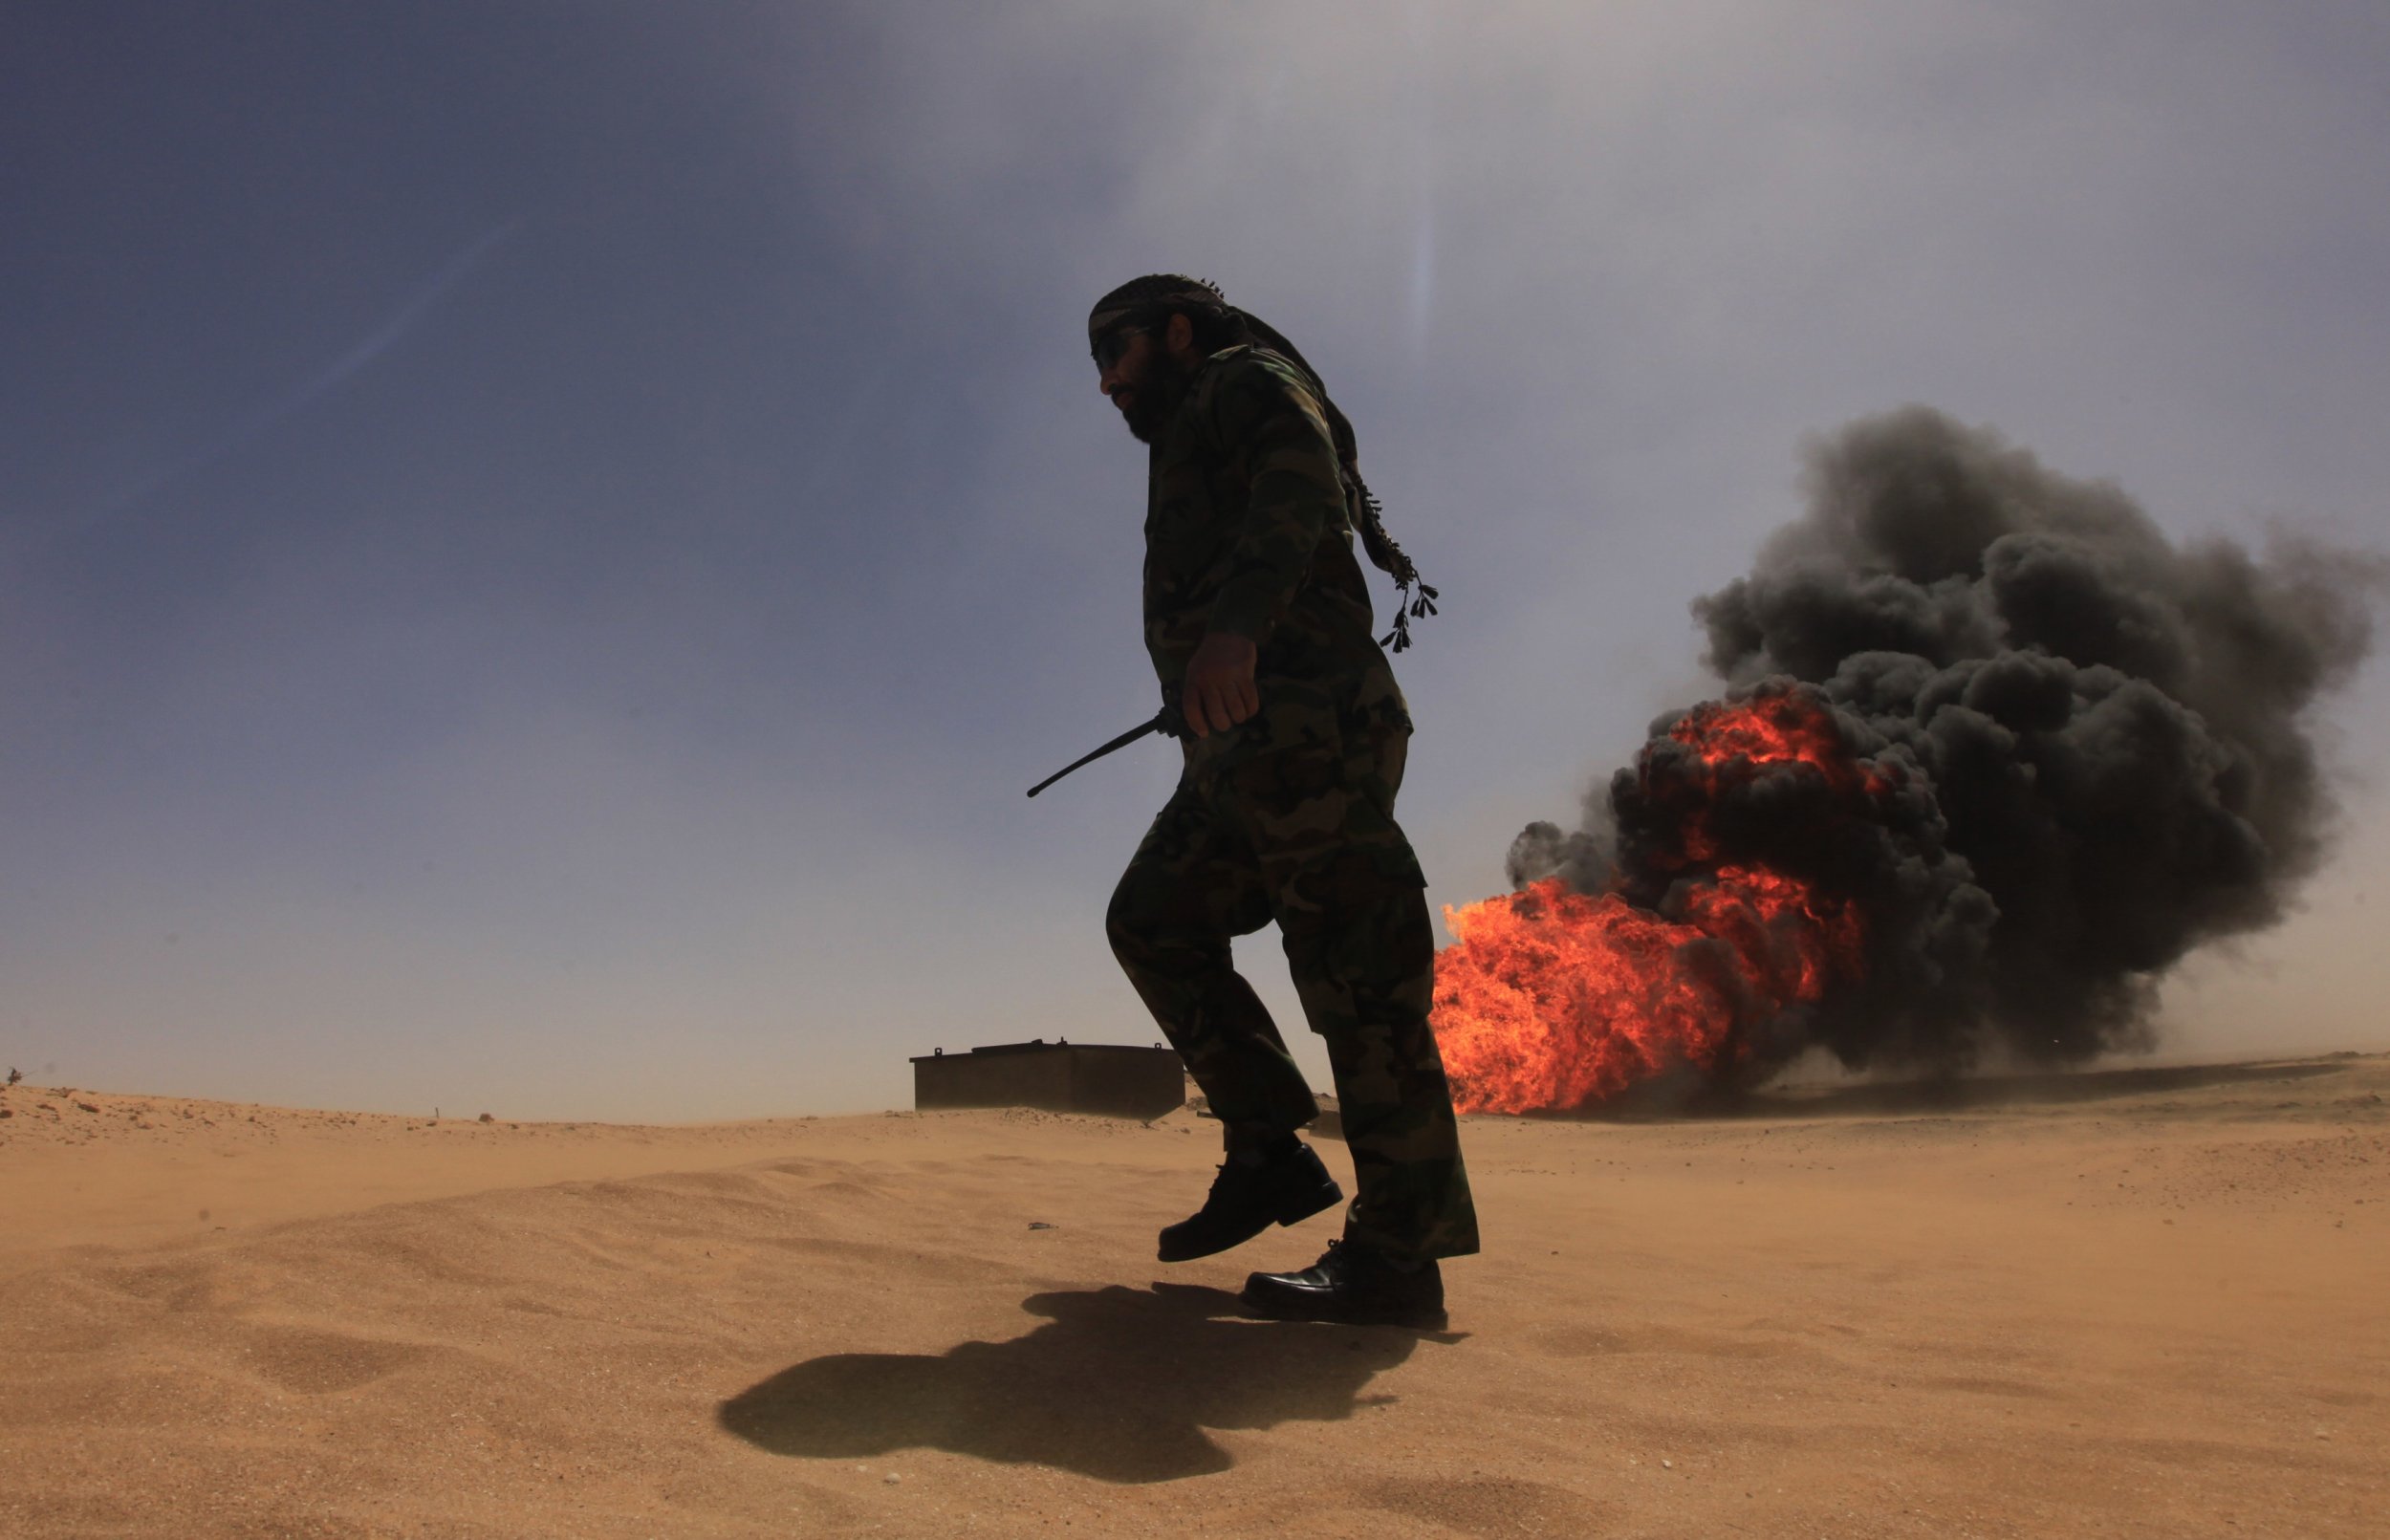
(1218, 692)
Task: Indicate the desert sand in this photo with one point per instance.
(2135, 1303)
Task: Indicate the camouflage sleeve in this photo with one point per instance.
(1273, 425)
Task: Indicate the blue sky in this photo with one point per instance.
(541, 544)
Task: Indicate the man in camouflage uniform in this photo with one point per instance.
(1259, 625)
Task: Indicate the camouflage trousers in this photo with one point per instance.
(1305, 834)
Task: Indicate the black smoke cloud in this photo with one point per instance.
(2089, 750)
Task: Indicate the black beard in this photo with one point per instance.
(1154, 399)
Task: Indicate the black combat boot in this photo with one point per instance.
(1276, 1183)
(1353, 1283)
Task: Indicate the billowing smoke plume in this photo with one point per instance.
(2084, 749)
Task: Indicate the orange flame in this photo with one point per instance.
(1766, 731)
(1551, 999)
(1770, 729)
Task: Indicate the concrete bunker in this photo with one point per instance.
(1110, 1079)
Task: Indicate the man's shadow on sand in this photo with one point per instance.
(1119, 1384)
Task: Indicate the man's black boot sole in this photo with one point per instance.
(1351, 1286)
(1192, 1237)
(1425, 1316)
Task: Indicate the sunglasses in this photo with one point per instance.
(1114, 345)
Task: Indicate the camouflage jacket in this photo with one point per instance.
(1248, 530)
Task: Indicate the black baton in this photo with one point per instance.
(1161, 724)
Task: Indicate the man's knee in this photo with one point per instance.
(1160, 920)
(1129, 919)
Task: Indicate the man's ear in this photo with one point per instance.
(1180, 335)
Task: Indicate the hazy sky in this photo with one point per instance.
(541, 544)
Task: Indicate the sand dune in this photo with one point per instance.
(2144, 1304)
